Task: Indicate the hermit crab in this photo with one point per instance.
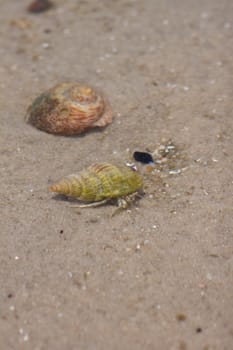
(69, 109)
(100, 183)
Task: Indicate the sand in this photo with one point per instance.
(158, 275)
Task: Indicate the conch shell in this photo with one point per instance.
(100, 182)
(69, 109)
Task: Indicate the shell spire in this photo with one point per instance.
(69, 186)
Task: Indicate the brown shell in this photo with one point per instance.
(38, 6)
(69, 109)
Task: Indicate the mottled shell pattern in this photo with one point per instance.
(99, 182)
(69, 109)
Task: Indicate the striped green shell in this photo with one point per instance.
(100, 181)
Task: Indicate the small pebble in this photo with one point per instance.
(138, 247)
(181, 317)
(45, 45)
(143, 157)
(39, 6)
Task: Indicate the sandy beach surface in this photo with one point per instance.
(158, 276)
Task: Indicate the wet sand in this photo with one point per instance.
(156, 276)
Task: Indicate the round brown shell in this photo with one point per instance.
(69, 109)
